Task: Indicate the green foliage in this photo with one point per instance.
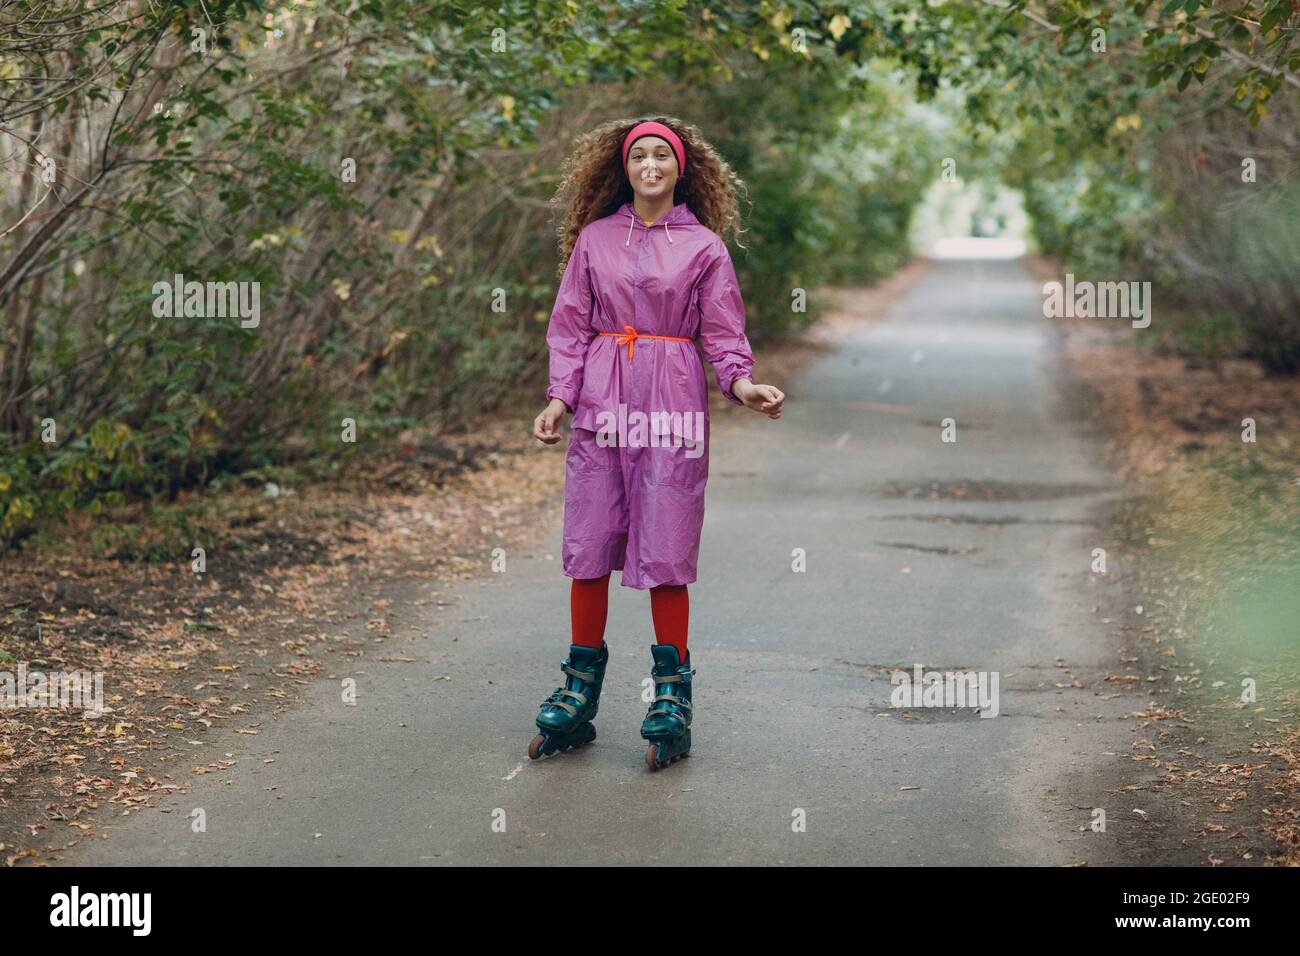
(833, 168)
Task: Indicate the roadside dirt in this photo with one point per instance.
(1207, 595)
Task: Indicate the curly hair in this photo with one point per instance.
(596, 184)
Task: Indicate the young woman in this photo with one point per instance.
(645, 275)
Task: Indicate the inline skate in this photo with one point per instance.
(667, 723)
(565, 717)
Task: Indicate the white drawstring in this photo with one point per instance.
(632, 222)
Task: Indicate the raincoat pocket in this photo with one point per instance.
(683, 467)
(586, 455)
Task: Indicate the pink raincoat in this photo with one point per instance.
(636, 502)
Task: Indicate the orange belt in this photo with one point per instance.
(630, 335)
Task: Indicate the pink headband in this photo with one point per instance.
(655, 129)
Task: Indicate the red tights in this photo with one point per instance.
(589, 603)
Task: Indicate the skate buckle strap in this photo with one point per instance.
(678, 714)
(671, 678)
(669, 697)
(554, 700)
(581, 675)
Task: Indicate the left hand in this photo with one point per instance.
(766, 399)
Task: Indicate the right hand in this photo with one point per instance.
(546, 426)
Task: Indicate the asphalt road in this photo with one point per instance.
(970, 555)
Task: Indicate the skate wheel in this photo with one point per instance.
(652, 758)
(535, 746)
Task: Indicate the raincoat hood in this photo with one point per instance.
(680, 215)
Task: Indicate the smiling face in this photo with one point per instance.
(652, 167)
